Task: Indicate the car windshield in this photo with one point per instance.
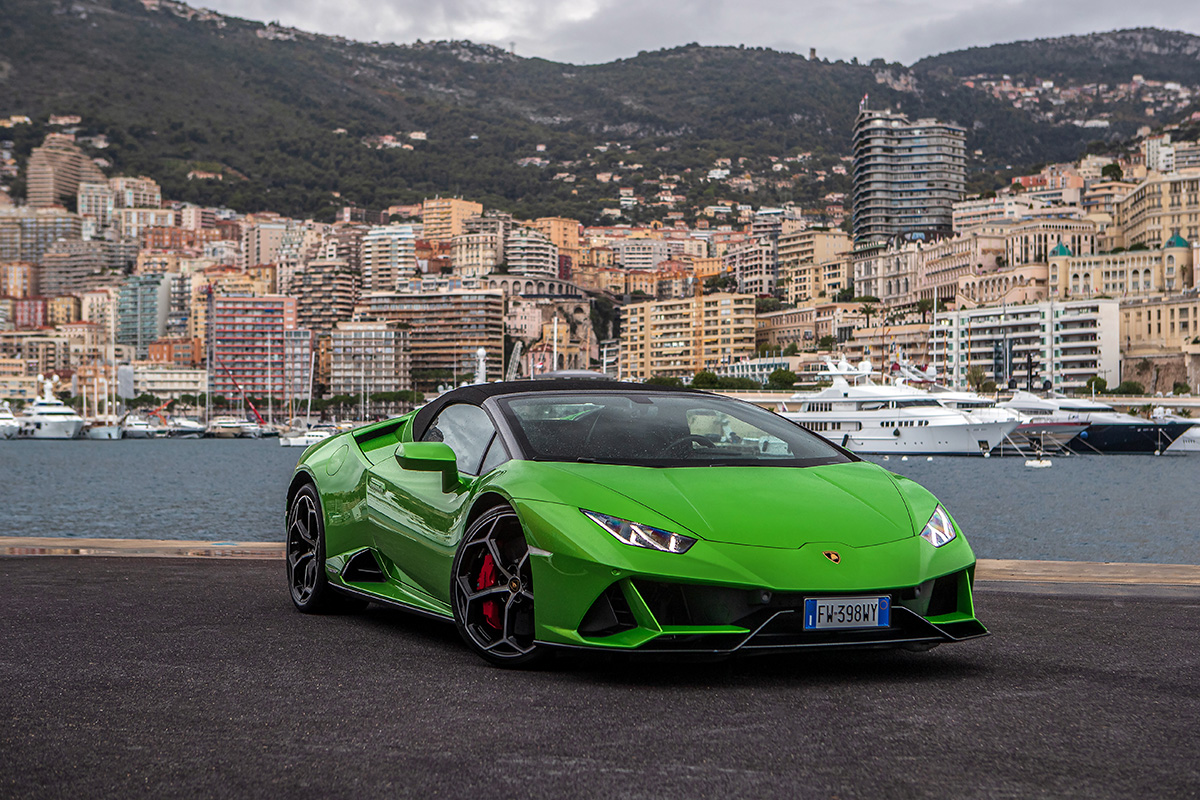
(661, 430)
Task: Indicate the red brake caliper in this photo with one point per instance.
(487, 579)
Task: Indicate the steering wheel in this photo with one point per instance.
(690, 438)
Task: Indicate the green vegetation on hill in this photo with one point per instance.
(1113, 57)
(174, 95)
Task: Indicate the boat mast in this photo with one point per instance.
(312, 364)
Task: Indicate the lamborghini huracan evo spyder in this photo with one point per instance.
(594, 514)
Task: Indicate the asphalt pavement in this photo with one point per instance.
(140, 677)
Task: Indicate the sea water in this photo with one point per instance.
(1084, 508)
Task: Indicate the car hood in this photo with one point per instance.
(856, 504)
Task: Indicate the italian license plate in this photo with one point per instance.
(846, 612)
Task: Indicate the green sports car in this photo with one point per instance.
(599, 515)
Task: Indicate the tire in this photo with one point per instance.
(308, 586)
(491, 591)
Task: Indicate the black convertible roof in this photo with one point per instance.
(476, 394)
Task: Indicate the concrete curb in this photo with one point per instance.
(987, 569)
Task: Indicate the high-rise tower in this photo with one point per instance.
(907, 175)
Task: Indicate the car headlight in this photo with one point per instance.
(639, 535)
(939, 530)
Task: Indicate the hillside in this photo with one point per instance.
(291, 120)
(1112, 57)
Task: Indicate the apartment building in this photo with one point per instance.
(248, 344)
(446, 329)
(389, 255)
(55, 170)
(1160, 207)
(1066, 342)
(26, 233)
(907, 175)
(18, 279)
(444, 218)
(678, 338)
(755, 265)
(1128, 273)
(133, 221)
(371, 358)
(801, 255)
(143, 307)
(140, 192)
(529, 252)
(327, 290)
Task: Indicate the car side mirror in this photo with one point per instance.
(430, 457)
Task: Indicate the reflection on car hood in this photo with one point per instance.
(856, 504)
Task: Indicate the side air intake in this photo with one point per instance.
(363, 568)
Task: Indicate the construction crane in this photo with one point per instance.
(245, 397)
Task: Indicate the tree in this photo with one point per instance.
(792, 349)
(705, 380)
(1181, 387)
(1097, 384)
(976, 376)
(826, 343)
(664, 380)
(867, 309)
(781, 379)
(924, 305)
(1112, 172)
(1130, 387)
(765, 305)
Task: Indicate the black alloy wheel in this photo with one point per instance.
(310, 590)
(491, 590)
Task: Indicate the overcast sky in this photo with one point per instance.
(594, 31)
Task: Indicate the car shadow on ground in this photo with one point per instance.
(616, 669)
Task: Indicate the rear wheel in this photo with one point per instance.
(491, 590)
(310, 590)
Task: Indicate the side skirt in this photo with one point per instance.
(393, 602)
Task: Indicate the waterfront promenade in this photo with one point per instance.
(193, 676)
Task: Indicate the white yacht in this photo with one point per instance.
(891, 420)
(308, 437)
(227, 427)
(8, 423)
(1037, 435)
(137, 427)
(47, 417)
(185, 428)
(1108, 431)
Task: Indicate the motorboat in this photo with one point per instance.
(1108, 431)
(185, 428)
(47, 417)
(136, 427)
(1189, 441)
(103, 432)
(1036, 435)
(8, 423)
(227, 427)
(308, 437)
(873, 419)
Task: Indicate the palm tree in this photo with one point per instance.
(866, 309)
(925, 305)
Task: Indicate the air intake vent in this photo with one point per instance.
(363, 568)
(608, 615)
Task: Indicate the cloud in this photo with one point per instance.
(594, 31)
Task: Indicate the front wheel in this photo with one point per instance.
(491, 590)
(310, 590)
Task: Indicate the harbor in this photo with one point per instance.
(1127, 508)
